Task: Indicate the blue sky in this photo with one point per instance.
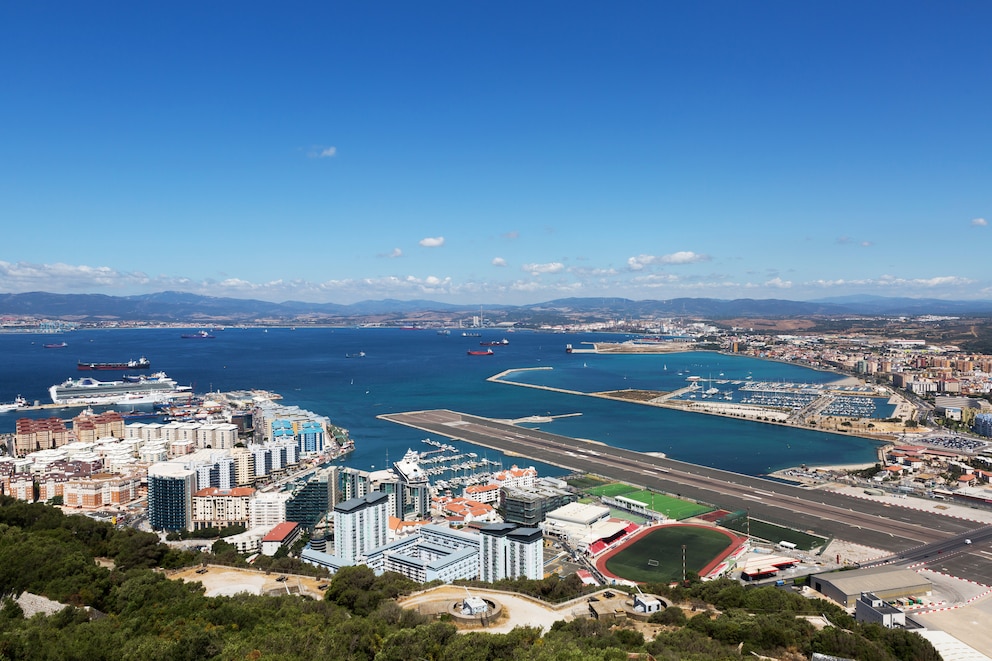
(511, 152)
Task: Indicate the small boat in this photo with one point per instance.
(18, 403)
(58, 345)
(487, 352)
(202, 335)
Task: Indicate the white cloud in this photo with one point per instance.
(891, 281)
(538, 269)
(979, 222)
(847, 241)
(396, 253)
(432, 242)
(656, 280)
(24, 276)
(778, 283)
(511, 235)
(319, 151)
(499, 261)
(682, 257)
(586, 271)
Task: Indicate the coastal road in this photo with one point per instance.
(879, 525)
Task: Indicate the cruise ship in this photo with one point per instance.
(130, 390)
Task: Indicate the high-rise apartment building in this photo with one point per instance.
(509, 551)
(170, 496)
(360, 525)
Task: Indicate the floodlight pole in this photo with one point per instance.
(683, 564)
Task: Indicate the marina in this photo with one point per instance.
(450, 467)
(838, 400)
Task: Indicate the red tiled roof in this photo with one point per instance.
(236, 492)
(281, 532)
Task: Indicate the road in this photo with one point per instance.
(879, 525)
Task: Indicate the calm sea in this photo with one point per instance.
(407, 370)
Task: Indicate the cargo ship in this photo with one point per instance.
(139, 364)
(130, 390)
(487, 352)
(202, 335)
(57, 345)
(495, 343)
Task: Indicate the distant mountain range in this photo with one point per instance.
(179, 307)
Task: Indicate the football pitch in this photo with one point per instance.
(656, 557)
(611, 490)
(671, 507)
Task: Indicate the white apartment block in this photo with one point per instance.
(360, 525)
(268, 508)
(509, 551)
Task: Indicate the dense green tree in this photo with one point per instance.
(132, 549)
(672, 616)
(359, 590)
(148, 617)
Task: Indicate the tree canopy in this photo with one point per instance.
(128, 610)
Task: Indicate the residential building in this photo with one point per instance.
(360, 525)
(170, 496)
(98, 491)
(284, 534)
(311, 502)
(527, 506)
(268, 508)
(214, 507)
(510, 551)
(31, 435)
(483, 493)
(91, 427)
(983, 424)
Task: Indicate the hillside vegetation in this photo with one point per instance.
(132, 612)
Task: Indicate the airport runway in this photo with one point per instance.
(879, 525)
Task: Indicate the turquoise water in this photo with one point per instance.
(406, 370)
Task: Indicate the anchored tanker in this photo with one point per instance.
(139, 364)
(130, 390)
